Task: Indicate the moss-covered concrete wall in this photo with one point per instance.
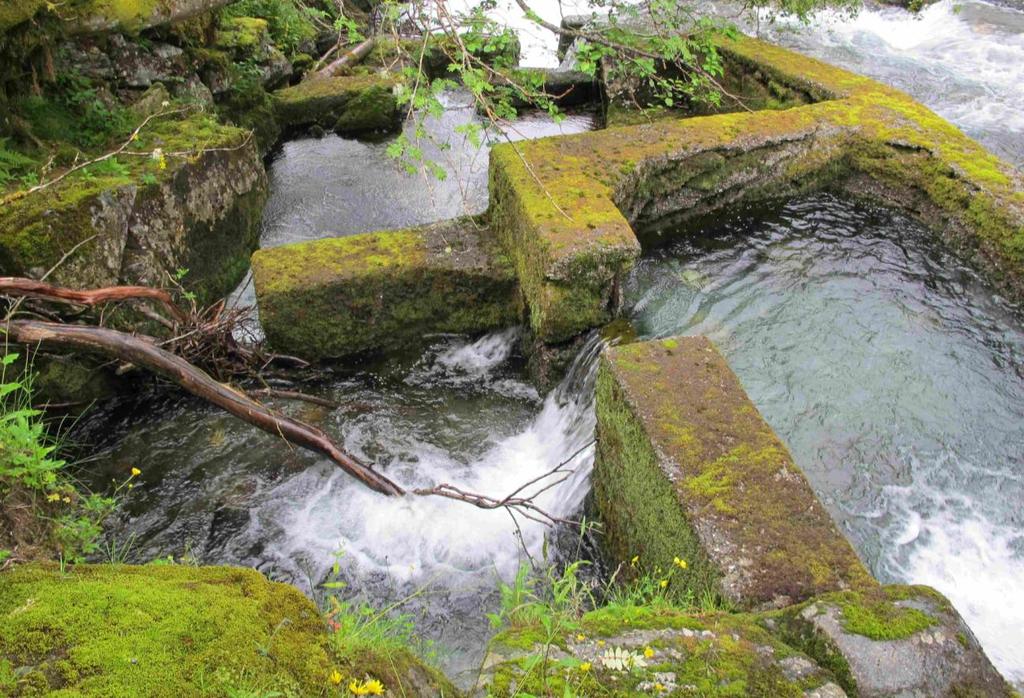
(686, 467)
(564, 206)
(340, 296)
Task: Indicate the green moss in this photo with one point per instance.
(878, 616)
(244, 35)
(116, 630)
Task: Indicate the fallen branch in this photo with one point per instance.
(19, 287)
(145, 353)
(294, 395)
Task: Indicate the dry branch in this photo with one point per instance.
(19, 287)
(145, 353)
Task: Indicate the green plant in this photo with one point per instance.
(26, 449)
(290, 22)
(14, 165)
(31, 472)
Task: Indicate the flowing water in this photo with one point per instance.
(891, 371)
(219, 492)
(962, 58)
(893, 374)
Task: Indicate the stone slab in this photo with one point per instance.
(386, 290)
(686, 467)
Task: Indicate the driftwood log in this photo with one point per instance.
(347, 59)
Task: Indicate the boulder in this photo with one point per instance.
(347, 104)
(893, 641)
(648, 650)
(134, 220)
(172, 630)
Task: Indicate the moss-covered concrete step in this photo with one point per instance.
(169, 631)
(687, 468)
(341, 296)
(350, 104)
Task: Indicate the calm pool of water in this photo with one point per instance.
(893, 373)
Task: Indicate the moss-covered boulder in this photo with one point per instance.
(891, 641)
(121, 631)
(340, 296)
(113, 630)
(686, 467)
(644, 651)
(189, 194)
(83, 16)
(348, 104)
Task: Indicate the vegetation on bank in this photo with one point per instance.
(44, 513)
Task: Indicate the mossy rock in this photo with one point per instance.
(86, 16)
(349, 104)
(139, 221)
(893, 640)
(340, 296)
(114, 630)
(170, 630)
(686, 467)
(667, 652)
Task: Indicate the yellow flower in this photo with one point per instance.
(585, 666)
(635, 559)
(658, 687)
(67, 500)
(336, 677)
(370, 687)
(648, 652)
(53, 497)
(136, 472)
(680, 563)
(162, 164)
(663, 583)
(581, 637)
(600, 643)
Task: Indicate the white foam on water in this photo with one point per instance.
(963, 59)
(416, 539)
(948, 539)
(978, 565)
(481, 356)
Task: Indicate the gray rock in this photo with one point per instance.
(943, 659)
